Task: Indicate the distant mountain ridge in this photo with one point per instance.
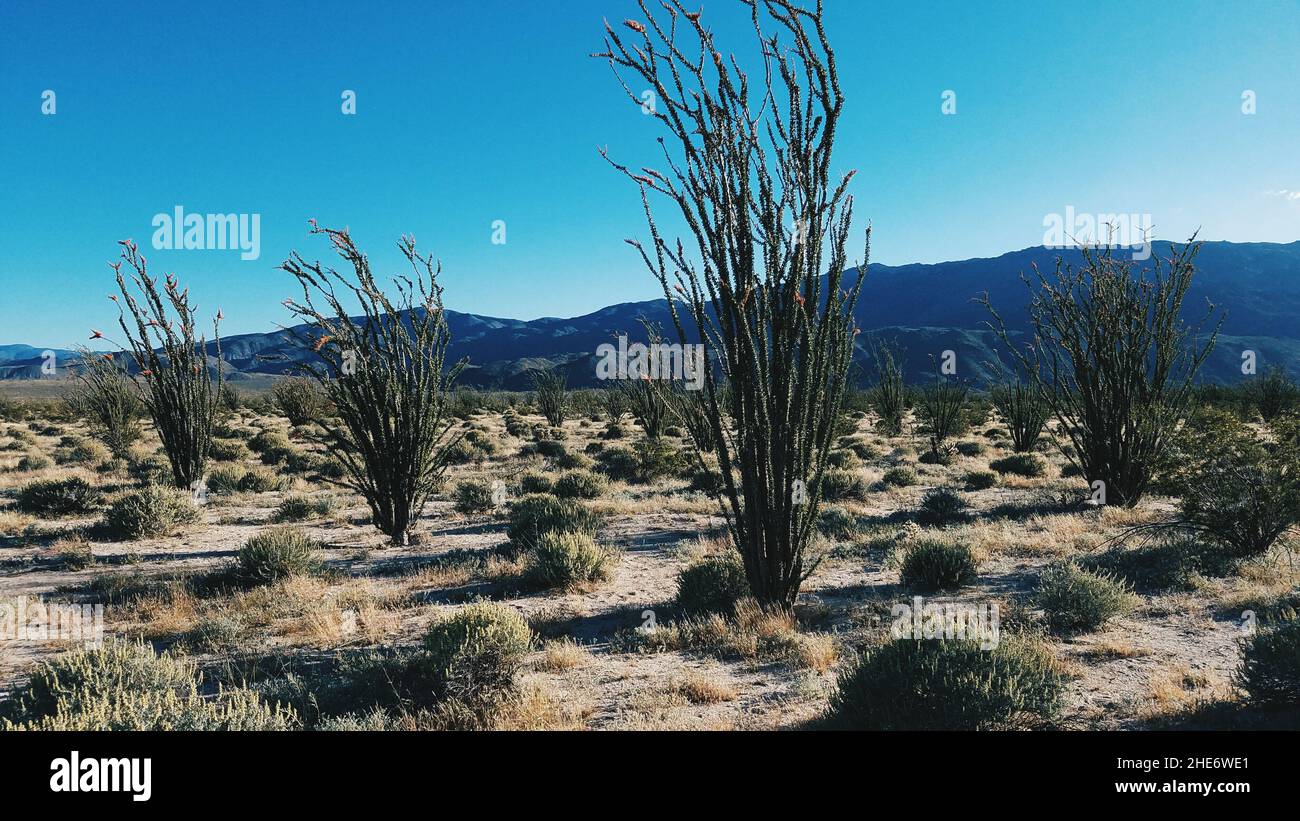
(924, 308)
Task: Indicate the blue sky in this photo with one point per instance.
(481, 110)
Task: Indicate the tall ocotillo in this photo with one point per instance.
(749, 169)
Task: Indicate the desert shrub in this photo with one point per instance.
(648, 461)
(57, 497)
(1114, 360)
(269, 440)
(536, 514)
(1235, 492)
(647, 403)
(843, 485)
(1024, 411)
(107, 397)
(843, 460)
(182, 392)
(1270, 664)
(151, 470)
(274, 554)
(713, 584)
(149, 512)
(125, 686)
(980, 479)
(1272, 393)
(260, 480)
(82, 453)
(385, 376)
(970, 448)
(565, 560)
(940, 506)
(942, 408)
(705, 480)
(1168, 564)
(936, 565)
(34, 461)
(837, 523)
(229, 450)
(300, 401)
(552, 395)
(475, 653)
(948, 684)
(1020, 464)
(580, 484)
(889, 396)
(473, 496)
(900, 476)
(297, 508)
(1076, 600)
(535, 483)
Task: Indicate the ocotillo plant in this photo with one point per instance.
(384, 373)
(1023, 410)
(1114, 360)
(691, 409)
(181, 392)
(552, 397)
(645, 400)
(1272, 393)
(749, 168)
(941, 407)
(888, 396)
(612, 404)
(107, 397)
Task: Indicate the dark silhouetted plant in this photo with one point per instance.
(384, 375)
(552, 396)
(1114, 360)
(181, 392)
(763, 285)
(107, 397)
(1024, 411)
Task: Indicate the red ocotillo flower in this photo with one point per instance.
(320, 343)
(94, 334)
(635, 26)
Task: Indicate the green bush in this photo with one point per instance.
(473, 496)
(229, 450)
(580, 484)
(475, 653)
(225, 478)
(58, 497)
(942, 506)
(843, 485)
(297, 508)
(537, 514)
(261, 480)
(276, 554)
(948, 685)
(1020, 464)
(843, 459)
(1170, 564)
(150, 512)
(567, 560)
(34, 461)
(535, 483)
(935, 565)
(900, 476)
(1270, 664)
(980, 479)
(712, 585)
(125, 686)
(1076, 600)
(151, 470)
(970, 448)
(837, 523)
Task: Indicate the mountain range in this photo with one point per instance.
(924, 309)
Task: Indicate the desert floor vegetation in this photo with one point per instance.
(622, 606)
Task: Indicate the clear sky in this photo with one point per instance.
(471, 111)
